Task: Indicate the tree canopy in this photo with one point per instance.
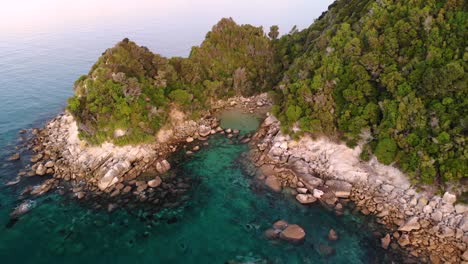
(389, 75)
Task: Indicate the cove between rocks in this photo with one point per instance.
(160, 188)
(222, 219)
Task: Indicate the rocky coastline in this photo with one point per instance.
(111, 175)
(429, 227)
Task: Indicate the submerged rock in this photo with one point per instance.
(280, 224)
(44, 187)
(293, 233)
(385, 241)
(36, 158)
(273, 183)
(15, 156)
(332, 235)
(272, 233)
(326, 250)
(23, 208)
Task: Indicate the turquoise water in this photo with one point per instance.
(223, 220)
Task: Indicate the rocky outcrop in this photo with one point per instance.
(427, 226)
(114, 170)
(15, 156)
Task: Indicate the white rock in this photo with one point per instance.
(204, 131)
(155, 182)
(436, 216)
(317, 193)
(189, 139)
(119, 133)
(284, 145)
(305, 198)
(427, 209)
(449, 198)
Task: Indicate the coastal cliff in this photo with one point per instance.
(428, 226)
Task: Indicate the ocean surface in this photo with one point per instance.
(226, 211)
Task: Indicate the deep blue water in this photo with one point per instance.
(227, 212)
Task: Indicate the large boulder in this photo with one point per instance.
(270, 120)
(22, 209)
(15, 156)
(449, 198)
(41, 170)
(404, 240)
(280, 224)
(273, 183)
(49, 164)
(341, 189)
(44, 187)
(305, 198)
(111, 177)
(293, 233)
(119, 133)
(411, 224)
(163, 166)
(317, 193)
(155, 182)
(204, 131)
(385, 241)
(461, 208)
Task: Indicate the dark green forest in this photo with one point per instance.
(391, 75)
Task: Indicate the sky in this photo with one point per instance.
(37, 15)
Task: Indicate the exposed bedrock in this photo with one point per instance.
(430, 227)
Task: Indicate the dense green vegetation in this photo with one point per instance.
(389, 74)
(130, 88)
